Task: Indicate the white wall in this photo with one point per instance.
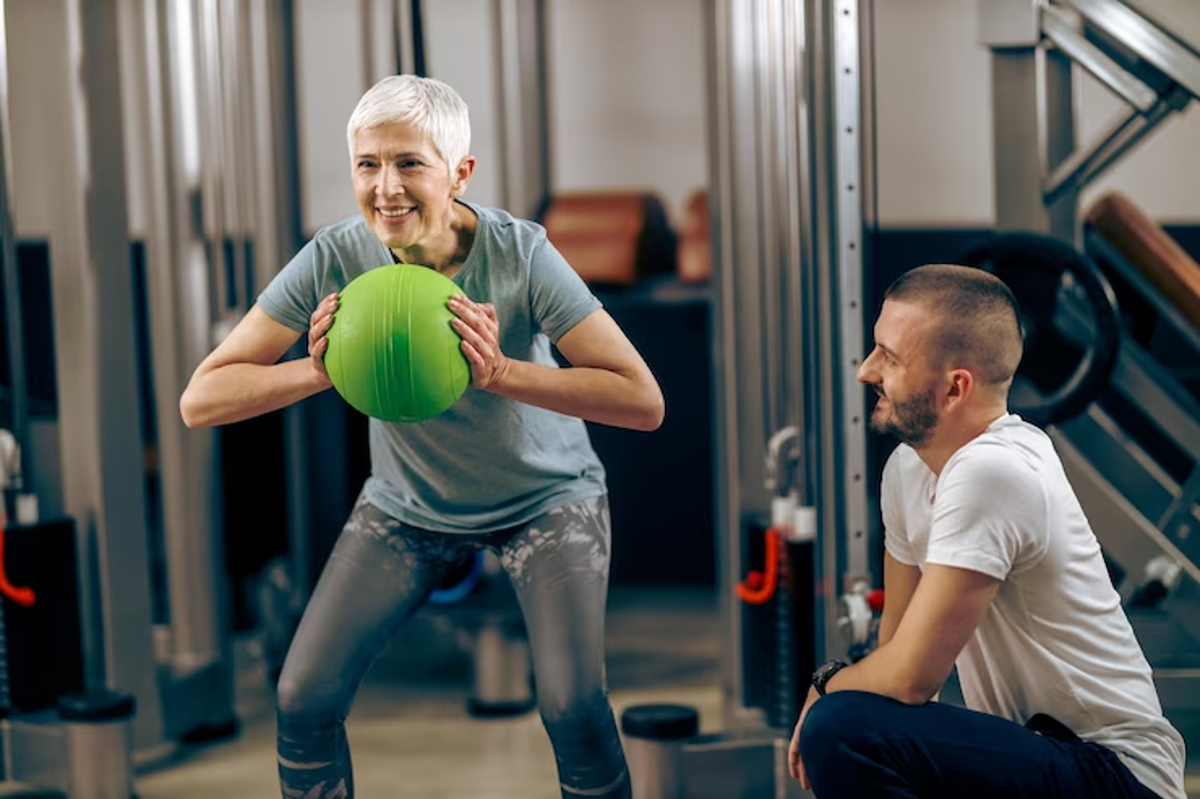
(935, 118)
(628, 95)
(626, 82)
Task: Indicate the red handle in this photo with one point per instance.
(22, 596)
(759, 587)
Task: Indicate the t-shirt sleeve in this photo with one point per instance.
(990, 514)
(895, 534)
(294, 293)
(559, 297)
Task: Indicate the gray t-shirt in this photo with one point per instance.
(488, 462)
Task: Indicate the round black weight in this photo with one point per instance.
(660, 722)
(1033, 265)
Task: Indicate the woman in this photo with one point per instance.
(509, 466)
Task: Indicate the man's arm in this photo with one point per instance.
(899, 583)
(946, 607)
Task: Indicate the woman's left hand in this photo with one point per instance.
(479, 329)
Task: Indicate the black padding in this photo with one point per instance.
(660, 722)
(1032, 265)
(96, 706)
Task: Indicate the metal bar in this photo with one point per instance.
(405, 43)
(1066, 175)
(15, 333)
(182, 315)
(1117, 148)
(1167, 404)
(1099, 247)
(521, 87)
(1028, 115)
(795, 204)
(847, 145)
(1084, 167)
(94, 336)
(1122, 530)
(1175, 59)
(766, 107)
(1059, 30)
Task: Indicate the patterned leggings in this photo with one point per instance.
(381, 571)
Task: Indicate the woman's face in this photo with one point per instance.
(404, 189)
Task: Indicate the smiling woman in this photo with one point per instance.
(509, 466)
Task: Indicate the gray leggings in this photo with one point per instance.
(381, 571)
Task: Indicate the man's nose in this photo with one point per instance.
(866, 370)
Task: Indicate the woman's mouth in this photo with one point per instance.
(395, 214)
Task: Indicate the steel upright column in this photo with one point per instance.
(96, 369)
(789, 190)
(523, 114)
(1032, 118)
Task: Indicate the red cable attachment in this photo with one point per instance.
(759, 587)
(22, 596)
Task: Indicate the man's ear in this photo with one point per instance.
(961, 386)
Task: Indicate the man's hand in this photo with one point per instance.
(795, 766)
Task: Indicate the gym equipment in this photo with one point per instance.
(98, 744)
(392, 352)
(1034, 267)
(611, 238)
(652, 738)
(1132, 456)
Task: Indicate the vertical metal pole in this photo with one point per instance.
(523, 119)
(727, 516)
(94, 336)
(180, 318)
(850, 404)
(12, 278)
(1033, 112)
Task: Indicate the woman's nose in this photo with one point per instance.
(390, 183)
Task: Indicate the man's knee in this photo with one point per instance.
(837, 724)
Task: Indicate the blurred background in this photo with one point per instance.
(738, 181)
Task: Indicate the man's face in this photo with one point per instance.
(901, 375)
(404, 189)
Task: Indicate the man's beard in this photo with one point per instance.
(911, 421)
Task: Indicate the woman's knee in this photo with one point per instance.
(576, 720)
(296, 698)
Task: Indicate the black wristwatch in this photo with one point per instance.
(824, 674)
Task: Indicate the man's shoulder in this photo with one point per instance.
(902, 463)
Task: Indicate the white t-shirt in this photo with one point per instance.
(1056, 639)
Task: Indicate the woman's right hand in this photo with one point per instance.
(319, 324)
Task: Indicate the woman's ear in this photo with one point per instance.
(462, 176)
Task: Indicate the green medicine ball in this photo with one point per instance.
(392, 352)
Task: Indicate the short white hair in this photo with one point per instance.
(430, 106)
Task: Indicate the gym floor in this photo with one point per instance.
(411, 736)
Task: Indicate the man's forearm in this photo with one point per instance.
(883, 672)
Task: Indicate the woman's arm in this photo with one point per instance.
(608, 383)
(242, 378)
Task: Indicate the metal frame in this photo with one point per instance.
(792, 189)
(1142, 517)
(523, 125)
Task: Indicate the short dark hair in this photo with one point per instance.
(978, 320)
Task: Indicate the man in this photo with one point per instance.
(989, 563)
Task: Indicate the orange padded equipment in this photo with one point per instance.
(611, 238)
(1150, 249)
(695, 246)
